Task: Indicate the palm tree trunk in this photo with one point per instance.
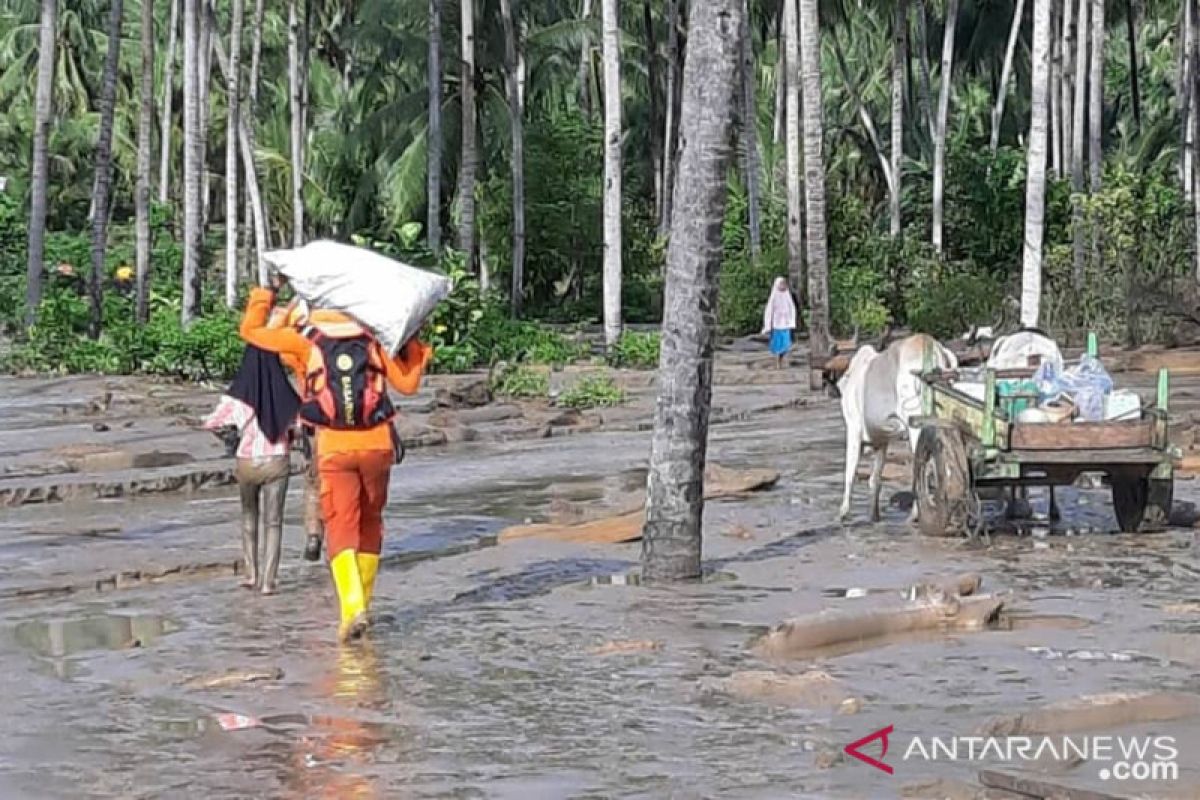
(586, 101)
(1014, 33)
(748, 136)
(434, 143)
(39, 176)
(145, 134)
(1035, 171)
(206, 28)
(1078, 136)
(1096, 95)
(166, 126)
(246, 144)
(296, 107)
(1067, 77)
(1184, 94)
(516, 124)
(655, 152)
(1132, 26)
(791, 56)
(192, 162)
(254, 214)
(612, 172)
(777, 120)
(1056, 108)
(899, 66)
(924, 93)
(672, 540)
(943, 112)
(469, 161)
(671, 126)
(232, 130)
(102, 190)
(864, 115)
(816, 243)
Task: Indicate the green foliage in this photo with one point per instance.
(521, 381)
(593, 391)
(636, 350)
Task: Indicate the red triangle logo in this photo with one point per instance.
(882, 734)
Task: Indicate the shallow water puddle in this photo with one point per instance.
(57, 638)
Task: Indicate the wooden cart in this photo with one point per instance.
(967, 445)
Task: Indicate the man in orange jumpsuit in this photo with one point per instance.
(354, 462)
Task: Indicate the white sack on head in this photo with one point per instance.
(390, 298)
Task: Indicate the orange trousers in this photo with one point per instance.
(354, 490)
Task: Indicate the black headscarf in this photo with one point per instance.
(262, 384)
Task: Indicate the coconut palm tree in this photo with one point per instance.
(1035, 171)
(671, 544)
(145, 134)
(899, 67)
(296, 95)
(516, 113)
(1002, 92)
(233, 88)
(1079, 128)
(748, 135)
(433, 170)
(1096, 96)
(612, 171)
(468, 163)
(815, 241)
(39, 172)
(795, 235)
(585, 62)
(671, 115)
(943, 113)
(168, 91)
(193, 162)
(102, 192)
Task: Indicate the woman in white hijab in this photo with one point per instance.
(779, 319)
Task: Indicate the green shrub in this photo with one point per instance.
(519, 381)
(636, 350)
(593, 391)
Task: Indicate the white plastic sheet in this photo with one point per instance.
(390, 298)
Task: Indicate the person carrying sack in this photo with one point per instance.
(345, 398)
(261, 405)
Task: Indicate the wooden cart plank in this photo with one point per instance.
(1083, 435)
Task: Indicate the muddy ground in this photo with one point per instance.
(538, 668)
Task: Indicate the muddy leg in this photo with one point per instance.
(312, 512)
(250, 497)
(876, 482)
(274, 494)
(853, 453)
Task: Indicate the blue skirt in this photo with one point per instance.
(781, 341)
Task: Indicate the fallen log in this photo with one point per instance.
(1038, 788)
(1096, 712)
(826, 629)
(626, 524)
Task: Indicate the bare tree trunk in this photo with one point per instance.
(672, 118)
(1079, 133)
(166, 125)
(1184, 94)
(39, 176)
(655, 152)
(815, 241)
(255, 215)
(1014, 33)
(469, 161)
(791, 36)
(102, 188)
(145, 134)
(516, 123)
(924, 93)
(296, 106)
(192, 162)
(586, 101)
(1067, 78)
(612, 172)
(1096, 94)
(672, 540)
(899, 65)
(434, 143)
(232, 129)
(1035, 181)
(748, 136)
(1132, 26)
(206, 39)
(1056, 108)
(939, 139)
(246, 142)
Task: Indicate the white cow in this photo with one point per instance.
(879, 393)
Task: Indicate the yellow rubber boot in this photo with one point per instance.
(348, 581)
(368, 568)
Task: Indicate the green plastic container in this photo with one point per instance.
(1014, 396)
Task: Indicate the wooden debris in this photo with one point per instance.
(626, 525)
(625, 647)
(1025, 786)
(1096, 712)
(235, 677)
(814, 689)
(826, 629)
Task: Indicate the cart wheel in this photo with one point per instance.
(1142, 504)
(943, 480)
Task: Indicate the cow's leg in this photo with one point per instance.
(853, 452)
(1055, 515)
(913, 435)
(876, 482)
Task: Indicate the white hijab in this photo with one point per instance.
(780, 313)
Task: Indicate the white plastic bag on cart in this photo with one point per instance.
(390, 298)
